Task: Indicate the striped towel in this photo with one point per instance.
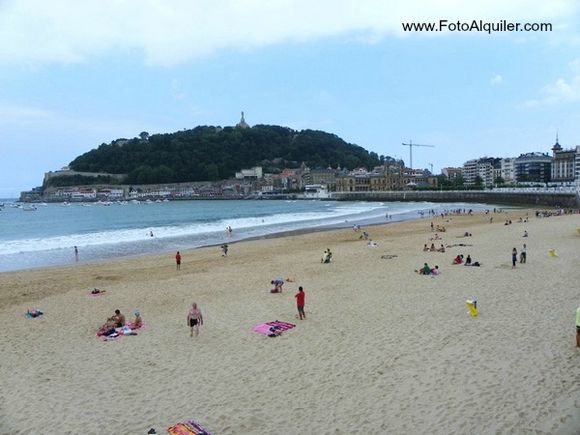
(190, 427)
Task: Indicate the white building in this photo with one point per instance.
(508, 170)
(482, 168)
(255, 172)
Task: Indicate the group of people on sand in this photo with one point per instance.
(117, 324)
(326, 256)
(433, 248)
(300, 296)
(523, 255)
(468, 262)
(438, 228)
(426, 270)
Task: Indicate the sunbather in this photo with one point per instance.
(119, 318)
(138, 322)
(108, 328)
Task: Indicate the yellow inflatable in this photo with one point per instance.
(552, 253)
(472, 307)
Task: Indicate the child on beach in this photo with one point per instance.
(138, 322)
(194, 319)
(224, 250)
(300, 301)
(514, 257)
(178, 261)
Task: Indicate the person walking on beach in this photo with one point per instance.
(301, 299)
(523, 254)
(194, 319)
(514, 257)
(178, 261)
(76, 254)
(578, 327)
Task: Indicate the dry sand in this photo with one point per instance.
(383, 350)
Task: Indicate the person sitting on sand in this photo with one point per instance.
(458, 259)
(364, 235)
(34, 312)
(119, 319)
(108, 328)
(525, 234)
(441, 249)
(277, 283)
(138, 322)
(468, 260)
(97, 291)
(425, 248)
(435, 271)
(372, 244)
(425, 270)
(432, 248)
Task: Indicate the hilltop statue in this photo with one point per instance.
(242, 123)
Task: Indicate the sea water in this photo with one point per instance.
(45, 235)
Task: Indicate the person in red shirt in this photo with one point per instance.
(300, 299)
(178, 260)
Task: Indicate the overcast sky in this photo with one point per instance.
(76, 74)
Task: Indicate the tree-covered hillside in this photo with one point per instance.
(213, 153)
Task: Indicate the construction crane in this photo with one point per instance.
(411, 145)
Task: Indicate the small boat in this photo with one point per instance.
(30, 208)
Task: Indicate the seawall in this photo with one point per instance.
(547, 199)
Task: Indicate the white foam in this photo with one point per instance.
(265, 225)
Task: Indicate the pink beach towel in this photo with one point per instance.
(95, 295)
(264, 328)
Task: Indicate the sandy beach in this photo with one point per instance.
(383, 350)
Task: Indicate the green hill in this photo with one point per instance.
(213, 153)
